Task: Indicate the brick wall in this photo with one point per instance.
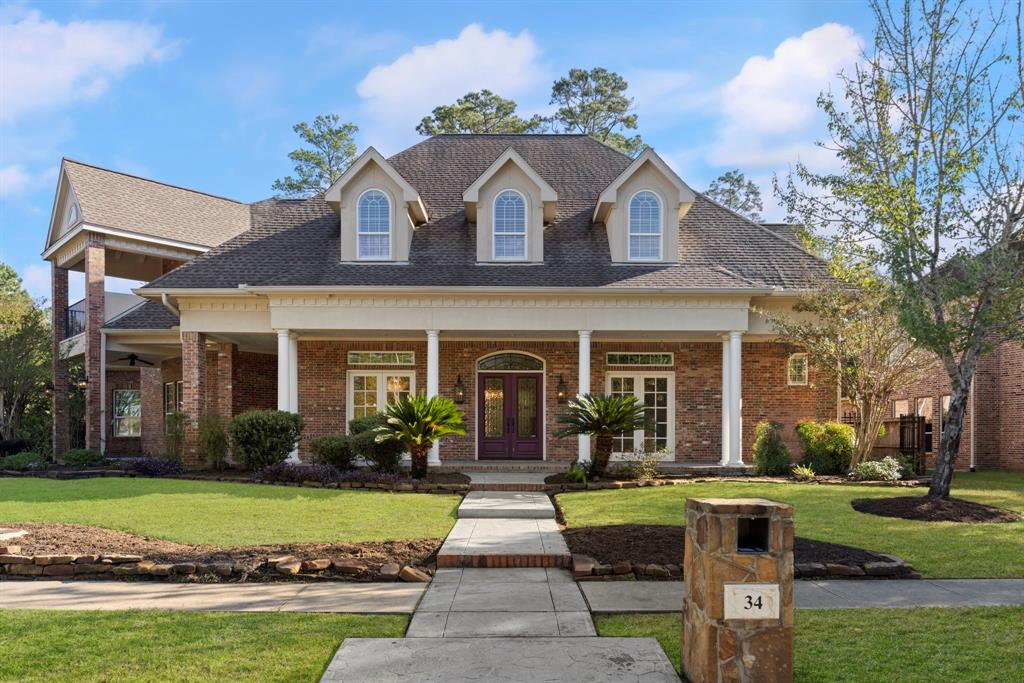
(152, 387)
(95, 267)
(255, 382)
(61, 413)
(193, 367)
(123, 445)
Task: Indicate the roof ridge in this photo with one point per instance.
(155, 182)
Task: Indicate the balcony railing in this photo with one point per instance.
(75, 319)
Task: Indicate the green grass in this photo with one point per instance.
(227, 514)
(870, 645)
(822, 512)
(46, 645)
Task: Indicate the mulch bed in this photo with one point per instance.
(71, 539)
(925, 509)
(658, 544)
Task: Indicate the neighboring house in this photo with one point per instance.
(506, 272)
(993, 433)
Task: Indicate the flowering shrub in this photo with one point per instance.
(886, 469)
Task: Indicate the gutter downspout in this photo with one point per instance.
(165, 299)
(973, 420)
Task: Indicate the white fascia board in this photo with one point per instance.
(371, 156)
(547, 193)
(117, 232)
(607, 197)
(326, 289)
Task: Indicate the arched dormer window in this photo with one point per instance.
(373, 218)
(71, 216)
(645, 227)
(510, 226)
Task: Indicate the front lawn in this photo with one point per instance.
(227, 514)
(823, 512)
(869, 645)
(47, 645)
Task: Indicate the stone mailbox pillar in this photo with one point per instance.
(738, 608)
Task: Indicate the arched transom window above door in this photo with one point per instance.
(510, 361)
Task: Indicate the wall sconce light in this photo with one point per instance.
(82, 382)
(460, 390)
(48, 389)
(561, 390)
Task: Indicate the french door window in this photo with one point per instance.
(656, 391)
(370, 392)
(127, 412)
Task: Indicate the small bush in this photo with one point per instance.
(83, 457)
(827, 446)
(578, 473)
(384, 456)
(13, 446)
(265, 437)
(213, 441)
(771, 457)
(332, 450)
(368, 477)
(174, 435)
(803, 473)
(886, 469)
(154, 467)
(299, 472)
(640, 464)
(24, 461)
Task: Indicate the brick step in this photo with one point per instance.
(521, 486)
(504, 542)
(501, 466)
(509, 561)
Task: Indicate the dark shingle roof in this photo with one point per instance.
(296, 242)
(149, 315)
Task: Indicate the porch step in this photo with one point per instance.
(504, 543)
(698, 469)
(507, 481)
(468, 466)
(507, 505)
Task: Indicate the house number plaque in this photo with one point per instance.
(751, 600)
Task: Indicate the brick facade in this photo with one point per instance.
(152, 388)
(124, 445)
(95, 268)
(193, 375)
(999, 402)
(59, 313)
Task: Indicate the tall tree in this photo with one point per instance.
(330, 150)
(931, 186)
(478, 112)
(24, 351)
(733, 190)
(594, 102)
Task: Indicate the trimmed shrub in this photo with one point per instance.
(384, 456)
(803, 473)
(886, 469)
(771, 457)
(827, 446)
(298, 472)
(83, 457)
(332, 450)
(368, 477)
(213, 441)
(154, 467)
(13, 446)
(24, 461)
(264, 437)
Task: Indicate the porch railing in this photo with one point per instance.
(74, 321)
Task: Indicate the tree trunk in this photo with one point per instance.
(602, 453)
(871, 416)
(949, 441)
(419, 461)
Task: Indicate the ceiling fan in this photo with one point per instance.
(133, 358)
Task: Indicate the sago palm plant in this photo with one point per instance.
(417, 422)
(603, 417)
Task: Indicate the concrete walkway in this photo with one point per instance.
(357, 598)
(506, 505)
(667, 596)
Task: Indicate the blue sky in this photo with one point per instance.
(204, 94)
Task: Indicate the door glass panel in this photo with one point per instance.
(398, 388)
(494, 407)
(623, 386)
(526, 407)
(364, 395)
(655, 400)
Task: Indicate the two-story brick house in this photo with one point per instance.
(505, 272)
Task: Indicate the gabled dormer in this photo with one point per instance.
(510, 204)
(378, 210)
(641, 210)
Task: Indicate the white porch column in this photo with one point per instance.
(434, 381)
(735, 398)
(285, 373)
(293, 372)
(725, 400)
(584, 387)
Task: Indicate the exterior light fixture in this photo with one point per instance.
(562, 390)
(82, 382)
(460, 390)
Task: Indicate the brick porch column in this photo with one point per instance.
(59, 311)
(193, 376)
(227, 357)
(95, 267)
(151, 389)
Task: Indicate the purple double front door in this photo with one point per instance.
(510, 406)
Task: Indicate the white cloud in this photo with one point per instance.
(661, 95)
(47, 65)
(14, 179)
(397, 95)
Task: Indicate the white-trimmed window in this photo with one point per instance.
(943, 411)
(369, 392)
(174, 400)
(900, 407)
(656, 391)
(616, 358)
(509, 226)
(381, 358)
(127, 412)
(645, 227)
(373, 216)
(796, 370)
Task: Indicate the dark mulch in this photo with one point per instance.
(924, 509)
(657, 544)
(74, 539)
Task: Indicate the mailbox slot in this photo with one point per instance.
(752, 535)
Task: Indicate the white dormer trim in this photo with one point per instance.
(417, 211)
(608, 196)
(548, 196)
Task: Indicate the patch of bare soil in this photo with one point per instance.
(925, 509)
(658, 544)
(74, 539)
